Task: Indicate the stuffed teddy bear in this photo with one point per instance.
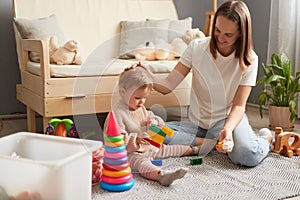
(160, 50)
(64, 55)
(192, 34)
(145, 51)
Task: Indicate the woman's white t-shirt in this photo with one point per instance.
(214, 82)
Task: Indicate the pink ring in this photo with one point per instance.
(119, 180)
(115, 155)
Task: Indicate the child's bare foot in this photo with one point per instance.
(166, 178)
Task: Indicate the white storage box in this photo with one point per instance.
(58, 168)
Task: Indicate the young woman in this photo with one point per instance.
(224, 69)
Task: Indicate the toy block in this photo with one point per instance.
(157, 162)
(151, 133)
(154, 128)
(225, 145)
(157, 136)
(196, 161)
(162, 133)
(153, 145)
(281, 144)
(167, 131)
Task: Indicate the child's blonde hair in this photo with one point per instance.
(134, 78)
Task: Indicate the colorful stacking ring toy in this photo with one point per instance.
(115, 181)
(115, 161)
(118, 187)
(115, 167)
(115, 149)
(115, 155)
(114, 144)
(120, 173)
(114, 138)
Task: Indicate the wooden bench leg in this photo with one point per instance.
(31, 121)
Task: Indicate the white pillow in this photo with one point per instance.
(135, 33)
(177, 28)
(40, 28)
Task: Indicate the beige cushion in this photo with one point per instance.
(135, 33)
(40, 28)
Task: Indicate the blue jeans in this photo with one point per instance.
(249, 148)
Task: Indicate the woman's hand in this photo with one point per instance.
(225, 138)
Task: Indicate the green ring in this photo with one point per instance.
(114, 138)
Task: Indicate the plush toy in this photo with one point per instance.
(160, 50)
(64, 55)
(192, 34)
(145, 51)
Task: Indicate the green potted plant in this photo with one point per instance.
(279, 91)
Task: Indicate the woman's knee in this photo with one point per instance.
(244, 156)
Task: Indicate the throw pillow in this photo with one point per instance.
(40, 28)
(177, 28)
(134, 33)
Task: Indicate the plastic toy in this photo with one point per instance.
(119, 180)
(157, 162)
(97, 158)
(196, 161)
(116, 173)
(281, 144)
(225, 145)
(114, 138)
(117, 187)
(61, 127)
(115, 149)
(115, 155)
(117, 161)
(116, 167)
(114, 144)
(157, 136)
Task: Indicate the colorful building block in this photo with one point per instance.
(225, 145)
(157, 136)
(157, 162)
(196, 161)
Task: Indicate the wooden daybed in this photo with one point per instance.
(55, 91)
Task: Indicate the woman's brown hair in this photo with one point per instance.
(236, 11)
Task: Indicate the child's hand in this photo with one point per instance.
(142, 141)
(156, 121)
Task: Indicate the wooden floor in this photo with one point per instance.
(9, 126)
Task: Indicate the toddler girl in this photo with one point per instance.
(134, 119)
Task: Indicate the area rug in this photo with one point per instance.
(277, 177)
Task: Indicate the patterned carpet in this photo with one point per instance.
(277, 177)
